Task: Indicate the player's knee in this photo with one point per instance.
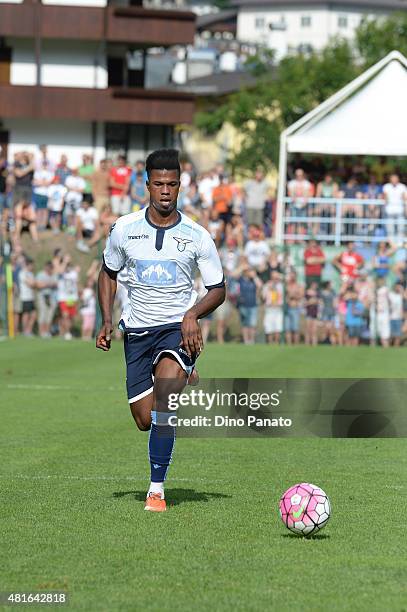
(143, 423)
(141, 417)
(169, 368)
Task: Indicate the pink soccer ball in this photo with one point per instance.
(305, 508)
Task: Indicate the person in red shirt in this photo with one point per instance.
(314, 261)
(119, 186)
(348, 263)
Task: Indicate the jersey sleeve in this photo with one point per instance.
(113, 255)
(209, 264)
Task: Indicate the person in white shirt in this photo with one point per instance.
(41, 181)
(383, 312)
(56, 203)
(186, 175)
(88, 310)
(396, 313)
(162, 250)
(257, 251)
(256, 192)
(67, 295)
(87, 223)
(299, 189)
(26, 282)
(46, 282)
(88, 301)
(273, 297)
(75, 185)
(43, 159)
(395, 194)
(206, 186)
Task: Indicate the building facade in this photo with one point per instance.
(304, 25)
(74, 75)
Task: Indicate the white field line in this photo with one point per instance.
(108, 478)
(36, 387)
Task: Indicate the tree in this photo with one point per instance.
(222, 4)
(375, 39)
(287, 91)
(282, 94)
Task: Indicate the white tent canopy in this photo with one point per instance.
(366, 117)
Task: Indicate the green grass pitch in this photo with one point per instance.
(74, 471)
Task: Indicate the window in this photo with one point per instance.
(259, 23)
(342, 21)
(306, 21)
(305, 48)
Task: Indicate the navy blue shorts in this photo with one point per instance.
(143, 348)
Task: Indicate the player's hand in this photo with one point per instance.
(191, 335)
(104, 336)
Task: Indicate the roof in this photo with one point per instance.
(218, 84)
(385, 5)
(204, 21)
(366, 117)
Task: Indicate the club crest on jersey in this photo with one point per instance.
(181, 243)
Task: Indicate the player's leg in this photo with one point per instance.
(141, 411)
(139, 381)
(170, 378)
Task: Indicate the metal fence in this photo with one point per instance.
(339, 220)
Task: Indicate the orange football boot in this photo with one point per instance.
(154, 503)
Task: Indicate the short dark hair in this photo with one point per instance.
(163, 159)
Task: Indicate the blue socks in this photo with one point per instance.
(160, 445)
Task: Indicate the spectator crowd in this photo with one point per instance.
(369, 207)
(53, 298)
(361, 300)
(366, 302)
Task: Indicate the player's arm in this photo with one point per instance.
(191, 332)
(113, 262)
(107, 286)
(211, 271)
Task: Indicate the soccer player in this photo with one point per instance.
(160, 249)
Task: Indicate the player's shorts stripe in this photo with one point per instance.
(112, 273)
(140, 395)
(187, 369)
(218, 286)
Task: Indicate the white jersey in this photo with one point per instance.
(67, 290)
(160, 263)
(396, 305)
